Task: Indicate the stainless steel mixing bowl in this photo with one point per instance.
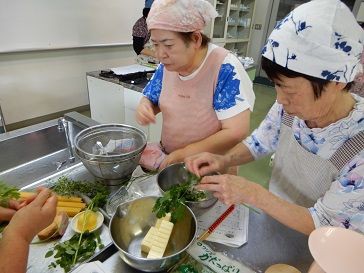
(131, 222)
(176, 174)
(110, 151)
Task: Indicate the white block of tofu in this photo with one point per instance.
(148, 240)
(160, 240)
(156, 252)
(166, 227)
(167, 217)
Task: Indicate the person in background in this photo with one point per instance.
(26, 220)
(202, 90)
(141, 35)
(315, 128)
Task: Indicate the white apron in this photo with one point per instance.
(299, 177)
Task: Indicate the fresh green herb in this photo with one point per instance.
(84, 244)
(77, 249)
(172, 200)
(7, 193)
(68, 187)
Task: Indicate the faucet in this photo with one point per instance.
(63, 126)
(2, 122)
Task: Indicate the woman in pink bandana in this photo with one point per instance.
(202, 90)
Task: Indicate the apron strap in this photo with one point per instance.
(345, 153)
(348, 150)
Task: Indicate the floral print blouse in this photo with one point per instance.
(343, 204)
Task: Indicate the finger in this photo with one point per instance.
(189, 165)
(147, 110)
(149, 115)
(206, 169)
(50, 205)
(162, 165)
(145, 118)
(196, 164)
(23, 204)
(6, 214)
(209, 187)
(14, 204)
(41, 198)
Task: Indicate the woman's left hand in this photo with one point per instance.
(231, 189)
(6, 213)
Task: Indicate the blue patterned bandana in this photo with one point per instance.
(320, 38)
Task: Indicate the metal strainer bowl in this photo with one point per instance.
(110, 151)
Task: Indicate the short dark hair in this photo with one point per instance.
(146, 12)
(187, 37)
(275, 71)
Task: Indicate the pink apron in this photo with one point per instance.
(187, 108)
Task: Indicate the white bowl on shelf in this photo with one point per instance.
(337, 250)
(99, 221)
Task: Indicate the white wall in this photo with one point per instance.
(38, 75)
(47, 24)
(34, 84)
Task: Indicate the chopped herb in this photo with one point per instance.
(7, 193)
(68, 187)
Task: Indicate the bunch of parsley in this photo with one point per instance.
(172, 200)
(65, 253)
(7, 193)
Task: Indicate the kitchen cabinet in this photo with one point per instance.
(112, 102)
(106, 100)
(232, 27)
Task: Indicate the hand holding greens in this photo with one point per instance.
(172, 200)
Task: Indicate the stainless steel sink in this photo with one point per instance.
(34, 152)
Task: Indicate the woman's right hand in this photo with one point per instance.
(145, 112)
(35, 216)
(206, 163)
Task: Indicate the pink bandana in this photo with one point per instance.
(180, 15)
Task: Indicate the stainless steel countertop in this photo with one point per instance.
(262, 249)
(269, 242)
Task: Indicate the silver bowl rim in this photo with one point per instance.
(152, 259)
(212, 197)
(116, 125)
(104, 161)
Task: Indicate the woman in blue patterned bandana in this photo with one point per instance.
(315, 129)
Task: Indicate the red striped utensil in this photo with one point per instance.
(215, 224)
(206, 234)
